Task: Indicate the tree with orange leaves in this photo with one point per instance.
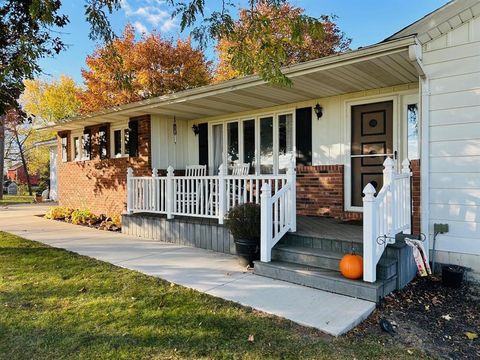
(278, 38)
(130, 70)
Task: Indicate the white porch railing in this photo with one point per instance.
(385, 215)
(205, 196)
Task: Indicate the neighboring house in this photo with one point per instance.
(53, 176)
(18, 174)
(413, 96)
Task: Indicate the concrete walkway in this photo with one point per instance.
(213, 273)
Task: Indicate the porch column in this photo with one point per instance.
(170, 193)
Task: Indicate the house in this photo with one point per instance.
(18, 174)
(387, 135)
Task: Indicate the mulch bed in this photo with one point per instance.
(99, 226)
(429, 316)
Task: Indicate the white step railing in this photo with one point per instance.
(278, 214)
(197, 196)
(385, 215)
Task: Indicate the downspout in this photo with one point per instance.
(425, 160)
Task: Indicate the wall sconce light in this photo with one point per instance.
(318, 111)
(195, 129)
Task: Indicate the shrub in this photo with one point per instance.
(59, 213)
(82, 217)
(244, 221)
(116, 220)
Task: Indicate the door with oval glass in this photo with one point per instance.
(372, 142)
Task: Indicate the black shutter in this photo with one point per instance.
(133, 138)
(303, 131)
(203, 144)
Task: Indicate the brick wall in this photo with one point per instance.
(320, 192)
(100, 185)
(415, 166)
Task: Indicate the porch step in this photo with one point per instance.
(325, 279)
(341, 246)
(329, 260)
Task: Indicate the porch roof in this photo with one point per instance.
(382, 65)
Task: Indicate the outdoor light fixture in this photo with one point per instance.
(318, 111)
(195, 129)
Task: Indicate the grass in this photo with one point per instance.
(16, 199)
(56, 304)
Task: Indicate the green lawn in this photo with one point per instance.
(55, 304)
(16, 199)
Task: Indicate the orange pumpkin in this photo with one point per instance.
(351, 266)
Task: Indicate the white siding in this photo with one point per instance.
(452, 63)
(165, 151)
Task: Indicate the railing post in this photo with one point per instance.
(170, 192)
(292, 179)
(408, 194)
(129, 190)
(265, 223)
(369, 235)
(388, 172)
(221, 196)
(154, 189)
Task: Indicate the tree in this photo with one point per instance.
(128, 70)
(26, 36)
(278, 41)
(51, 101)
(270, 56)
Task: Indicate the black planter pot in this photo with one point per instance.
(247, 251)
(452, 276)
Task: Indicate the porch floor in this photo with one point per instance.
(329, 228)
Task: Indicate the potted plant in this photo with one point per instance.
(452, 275)
(244, 225)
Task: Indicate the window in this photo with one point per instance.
(412, 132)
(64, 148)
(87, 145)
(120, 143)
(249, 144)
(232, 145)
(266, 142)
(76, 148)
(285, 141)
(266, 145)
(102, 142)
(117, 147)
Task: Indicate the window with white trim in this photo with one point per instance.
(266, 142)
(76, 148)
(64, 148)
(119, 146)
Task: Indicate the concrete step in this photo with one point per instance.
(325, 279)
(386, 268)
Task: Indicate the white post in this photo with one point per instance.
(170, 193)
(388, 171)
(292, 180)
(369, 235)
(221, 195)
(407, 194)
(154, 189)
(129, 190)
(266, 223)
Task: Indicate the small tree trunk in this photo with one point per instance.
(2, 152)
(24, 162)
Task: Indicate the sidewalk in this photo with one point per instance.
(210, 272)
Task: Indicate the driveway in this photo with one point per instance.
(210, 272)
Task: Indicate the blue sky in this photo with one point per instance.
(365, 21)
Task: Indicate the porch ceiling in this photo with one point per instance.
(383, 65)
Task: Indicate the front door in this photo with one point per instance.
(372, 142)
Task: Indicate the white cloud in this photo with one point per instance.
(151, 13)
(142, 29)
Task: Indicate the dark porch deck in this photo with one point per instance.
(329, 228)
